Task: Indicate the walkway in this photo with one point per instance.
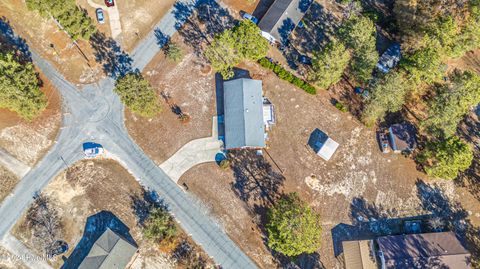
(20, 252)
(194, 152)
(11, 163)
(95, 113)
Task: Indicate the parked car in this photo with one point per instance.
(248, 16)
(92, 150)
(383, 140)
(109, 3)
(100, 16)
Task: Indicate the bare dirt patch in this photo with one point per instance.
(89, 188)
(8, 181)
(192, 90)
(29, 141)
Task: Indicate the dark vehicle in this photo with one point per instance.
(383, 140)
(248, 16)
(109, 3)
(361, 91)
(305, 59)
(100, 16)
(57, 248)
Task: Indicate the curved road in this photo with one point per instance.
(95, 113)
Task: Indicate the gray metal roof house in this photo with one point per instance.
(243, 114)
(110, 251)
(282, 17)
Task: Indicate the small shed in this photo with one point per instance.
(402, 137)
(390, 58)
(323, 145)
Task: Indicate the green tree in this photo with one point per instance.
(136, 93)
(293, 227)
(452, 102)
(19, 87)
(387, 95)
(329, 64)
(230, 48)
(159, 226)
(424, 66)
(173, 52)
(446, 158)
(71, 17)
(359, 34)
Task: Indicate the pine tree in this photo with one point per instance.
(329, 64)
(137, 94)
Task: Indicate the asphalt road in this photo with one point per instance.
(95, 113)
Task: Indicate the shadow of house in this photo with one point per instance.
(13, 41)
(115, 61)
(95, 228)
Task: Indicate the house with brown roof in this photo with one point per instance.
(425, 250)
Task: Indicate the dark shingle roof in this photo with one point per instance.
(428, 250)
(110, 251)
(283, 16)
(243, 105)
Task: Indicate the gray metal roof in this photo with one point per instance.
(110, 251)
(243, 105)
(283, 16)
(428, 250)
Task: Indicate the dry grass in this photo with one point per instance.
(7, 183)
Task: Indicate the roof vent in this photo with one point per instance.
(246, 110)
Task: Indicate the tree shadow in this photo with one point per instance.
(469, 130)
(115, 61)
(162, 39)
(14, 42)
(142, 205)
(95, 226)
(197, 24)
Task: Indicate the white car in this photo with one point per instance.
(92, 150)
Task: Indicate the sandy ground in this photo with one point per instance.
(162, 136)
(90, 187)
(29, 141)
(9, 261)
(7, 182)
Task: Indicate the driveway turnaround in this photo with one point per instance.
(95, 113)
(195, 152)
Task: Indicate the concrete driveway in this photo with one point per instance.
(113, 17)
(11, 163)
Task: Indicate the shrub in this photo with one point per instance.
(160, 226)
(284, 74)
(224, 164)
(340, 106)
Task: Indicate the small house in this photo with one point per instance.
(426, 250)
(402, 137)
(110, 251)
(323, 145)
(281, 18)
(390, 58)
(244, 114)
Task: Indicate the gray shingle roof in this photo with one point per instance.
(283, 16)
(110, 251)
(428, 250)
(243, 105)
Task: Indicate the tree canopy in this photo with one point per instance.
(293, 227)
(71, 17)
(387, 95)
(446, 158)
(136, 93)
(230, 48)
(19, 87)
(452, 102)
(424, 66)
(329, 64)
(159, 225)
(359, 34)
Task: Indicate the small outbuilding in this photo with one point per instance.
(323, 145)
(402, 137)
(244, 114)
(390, 58)
(281, 18)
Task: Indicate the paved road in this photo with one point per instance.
(11, 163)
(94, 113)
